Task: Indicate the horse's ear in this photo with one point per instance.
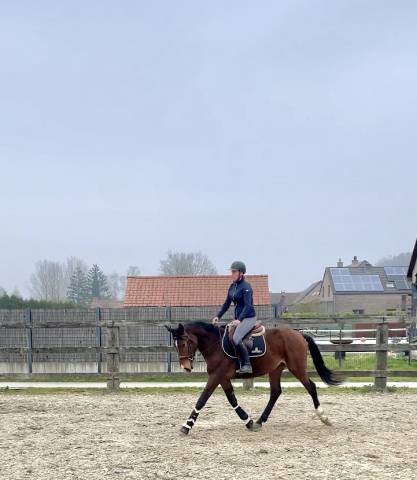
(170, 330)
(180, 328)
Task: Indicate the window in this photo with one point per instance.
(328, 290)
(358, 311)
(390, 285)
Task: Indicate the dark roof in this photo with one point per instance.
(412, 262)
(314, 287)
(399, 282)
(289, 297)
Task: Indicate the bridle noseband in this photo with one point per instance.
(191, 354)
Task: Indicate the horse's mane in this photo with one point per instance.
(208, 327)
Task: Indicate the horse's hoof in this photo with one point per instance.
(184, 431)
(324, 418)
(252, 426)
(256, 427)
(327, 421)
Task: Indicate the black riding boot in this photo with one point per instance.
(242, 352)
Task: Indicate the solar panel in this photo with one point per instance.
(396, 270)
(355, 283)
(398, 275)
(340, 271)
(402, 283)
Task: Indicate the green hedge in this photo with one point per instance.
(14, 302)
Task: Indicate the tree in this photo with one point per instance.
(3, 292)
(114, 283)
(400, 260)
(181, 263)
(97, 283)
(132, 271)
(71, 265)
(16, 293)
(78, 289)
(51, 280)
(48, 281)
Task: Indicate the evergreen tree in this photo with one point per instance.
(78, 289)
(97, 283)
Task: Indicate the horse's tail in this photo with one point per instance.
(328, 376)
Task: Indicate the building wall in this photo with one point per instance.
(371, 303)
(326, 308)
(414, 290)
(414, 300)
(327, 291)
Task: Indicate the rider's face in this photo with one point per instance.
(235, 275)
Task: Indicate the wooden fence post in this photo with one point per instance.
(99, 356)
(381, 357)
(113, 344)
(29, 337)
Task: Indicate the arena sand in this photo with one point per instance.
(74, 436)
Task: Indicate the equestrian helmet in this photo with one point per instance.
(238, 265)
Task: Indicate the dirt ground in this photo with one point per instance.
(135, 436)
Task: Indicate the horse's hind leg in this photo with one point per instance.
(300, 372)
(275, 392)
(230, 394)
(312, 390)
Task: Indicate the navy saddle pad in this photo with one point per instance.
(256, 345)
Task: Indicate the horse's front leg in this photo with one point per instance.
(230, 394)
(212, 384)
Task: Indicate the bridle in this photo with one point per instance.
(191, 354)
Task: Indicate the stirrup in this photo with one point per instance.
(245, 369)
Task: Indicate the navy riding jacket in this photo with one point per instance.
(241, 294)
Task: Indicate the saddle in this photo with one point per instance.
(254, 341)
(256, 331)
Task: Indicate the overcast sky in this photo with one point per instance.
(279, 133)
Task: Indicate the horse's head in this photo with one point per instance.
(186, 345)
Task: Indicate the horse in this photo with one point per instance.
(285, 348)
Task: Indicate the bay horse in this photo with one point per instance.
(285, 348)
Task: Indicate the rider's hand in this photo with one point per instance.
(235, 322)
(215, 320)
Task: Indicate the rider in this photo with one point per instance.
(241, 294)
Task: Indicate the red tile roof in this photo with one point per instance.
(187, 291)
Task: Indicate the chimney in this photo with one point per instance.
(355, 261)
(339, 263)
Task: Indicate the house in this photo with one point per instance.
(412, 268)
(362, 288)
(188, 291)
(283, 301)
(412, 277)
(306, 301)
